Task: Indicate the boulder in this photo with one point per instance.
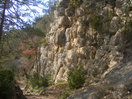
(79, 12)
(68, 46)
(71, 57)
(59, 12)
(63, 3)
(62, 75)
(116, 84)
(63, 21)
(79, 42)
(115, 24)
(60, 38)
(68, 34)
(80, 31)
(92, 92)
(70, 11)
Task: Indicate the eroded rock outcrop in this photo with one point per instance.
(95, 34)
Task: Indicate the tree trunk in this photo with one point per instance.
(2, 20)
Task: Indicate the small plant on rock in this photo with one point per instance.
(128, 31)
(75, 3)
(76, 78)
(95, 21)
(38, 81)
(65, 94)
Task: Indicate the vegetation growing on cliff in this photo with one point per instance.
(95, 21)
(75, 3)
(128, 31)
(76, 78)
(37, 81)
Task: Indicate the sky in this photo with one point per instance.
(26, 15)
(39, 8)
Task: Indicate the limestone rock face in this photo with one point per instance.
(63, 21)
(60, 38)
(63, 3)
(60, 11)
(79, 12)
(94, 35)
(115, 24)
(70, 11)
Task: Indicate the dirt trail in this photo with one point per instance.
(52, 92)
(49, 93)
(39, 97)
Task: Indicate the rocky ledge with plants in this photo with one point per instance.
(96, 35)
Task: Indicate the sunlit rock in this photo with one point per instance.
(115, 24)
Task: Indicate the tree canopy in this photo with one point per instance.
(13, 13)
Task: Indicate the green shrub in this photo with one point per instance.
(128, 31)
(65, 94)
(76, 78)
(6, 84)
(112, 2)
(95, 21)
(75, 3)
(37, 81)
(43, 42)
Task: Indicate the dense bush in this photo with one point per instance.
(128, 31)
(37, 81)
(76, 78)
(75, 3)
(43, 42)
(6, 84)
(95, 21)
(65, 94)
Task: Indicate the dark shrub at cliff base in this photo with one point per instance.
(37, 81)
(65, 94)
(6, 84)
(76, 78)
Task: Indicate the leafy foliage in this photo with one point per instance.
(128, 31)
(75, 3)
(76, 78)
(43, 23)
(65, 94)
(43, 42)
(6, 83)
(38, 81)
(31, 31)
(16, 14)
(95, 21)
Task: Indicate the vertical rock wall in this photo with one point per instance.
(94, 34)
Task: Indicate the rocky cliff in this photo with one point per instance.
(95, 34)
